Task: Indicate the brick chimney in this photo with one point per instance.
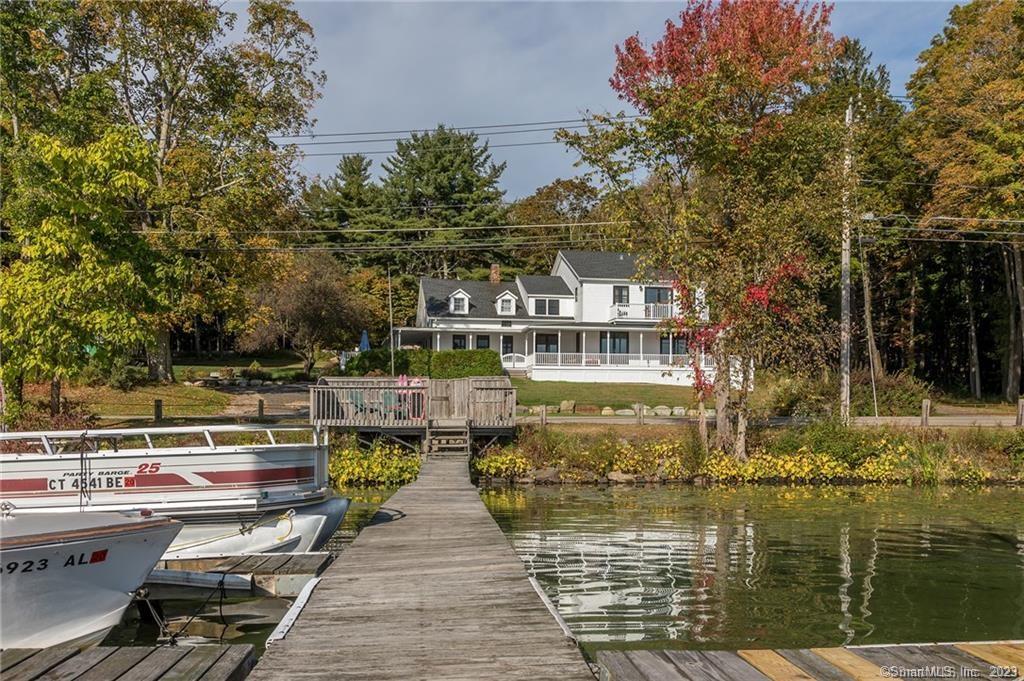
(495, 277)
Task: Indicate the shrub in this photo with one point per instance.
(382, 464)
(465, 363)
(378, 360)
(124, 376)
(1014, 451)
(227, 372)
(256, 372)
(189, 374)
(899, 394)
(418, 362)
(502, 462)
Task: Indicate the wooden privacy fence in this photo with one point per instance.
(488, 402)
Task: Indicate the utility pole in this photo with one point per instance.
(844, 278)
(391, 324)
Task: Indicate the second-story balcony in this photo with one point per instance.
(654, 312)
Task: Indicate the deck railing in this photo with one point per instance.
(390, 403)
(652, 311)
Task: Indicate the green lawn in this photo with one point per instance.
(179, 400)
(279, 365)
(616, 395)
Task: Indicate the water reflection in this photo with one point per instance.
(773, 567)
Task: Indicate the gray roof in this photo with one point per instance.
(540, 285)
(601, 264)
(482, 295)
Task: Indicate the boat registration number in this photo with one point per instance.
(118, 479)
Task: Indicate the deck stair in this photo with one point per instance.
(448, 437)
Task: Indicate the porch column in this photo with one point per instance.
(641, 347)
(399, 338)
(607, 347)
(583, 350)
(535, 347)
(438, 346)
(471, 346)
(670, 348)
(559, 347)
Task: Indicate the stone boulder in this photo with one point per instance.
(546, 476)
(607, 411)
(588, 409)
(242, 382)
(625, 412)
(678, 411)
(662, 410)
(567, 407)
(535, 410)
(255, 383)
(620, 477)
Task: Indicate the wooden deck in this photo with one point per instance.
(430, 590)
(854, 663)
(134, 663)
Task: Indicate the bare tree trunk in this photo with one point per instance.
(158, 357)
(54, 396)
(740, 447)
(910, 343)
(1011, 376)
(1018, 267)
(972, 337)
(723, 422)
(874, 357)
(702, 424)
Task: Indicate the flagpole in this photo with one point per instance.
(391, 322)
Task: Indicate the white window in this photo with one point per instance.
(505, 306)
(459, 305)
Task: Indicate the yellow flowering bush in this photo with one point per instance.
(961, 469)
(803, 466)
(382, 464)
(502, 462)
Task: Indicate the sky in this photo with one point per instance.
(400, 66)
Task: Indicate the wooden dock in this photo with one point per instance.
(1004, 659)
(431, 589)
(129, 663)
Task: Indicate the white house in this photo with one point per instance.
(591, 320)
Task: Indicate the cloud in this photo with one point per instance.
(395, 66)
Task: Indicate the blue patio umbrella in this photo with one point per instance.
(364, 342)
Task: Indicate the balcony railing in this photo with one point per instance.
(641, 311)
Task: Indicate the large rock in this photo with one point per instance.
(620, 477)
(678, 411)
(255, 383)
(625, 412)
(522, 410)
(589, 409)
(567, 407)
(662, 410)
(649, 411)
(535, 410)
(546, 475)
(607, 411)
(214, 374)
(242, 382)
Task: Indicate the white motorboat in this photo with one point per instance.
(67, 578)
(248, 493)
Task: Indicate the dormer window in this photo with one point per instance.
(458, 302)
(506, 303)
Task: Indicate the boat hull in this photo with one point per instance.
(73, 589)
(298, 529)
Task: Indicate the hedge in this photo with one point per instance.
(465, 363)
(408, 362)
(442, 364)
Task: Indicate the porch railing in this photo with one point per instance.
(613, 359)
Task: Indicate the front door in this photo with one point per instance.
(506, 345)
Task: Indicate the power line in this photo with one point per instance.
(405, 139)
(392, 151)
(940, 230)
(412, 131)
(389, 230)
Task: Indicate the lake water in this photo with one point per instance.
(686, 567)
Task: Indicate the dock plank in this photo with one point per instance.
(430, 589)
(234, 664)
(13, 656)
(194, 665)
(75, 666)
(153, 666)
(117, 664)
(35, 666)
(774, 666)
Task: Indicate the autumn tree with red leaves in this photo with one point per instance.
(729, 184)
